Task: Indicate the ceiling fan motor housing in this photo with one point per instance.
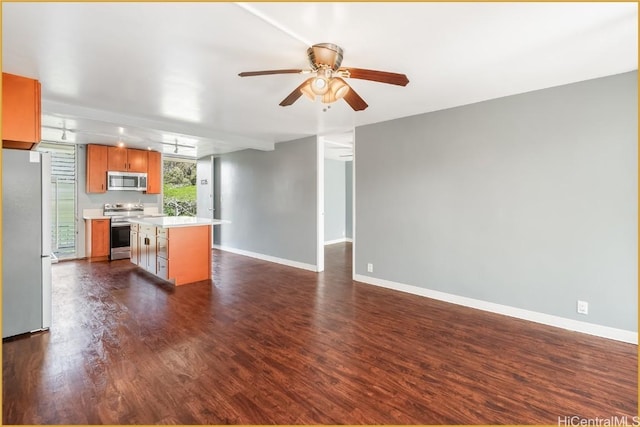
(325, 55)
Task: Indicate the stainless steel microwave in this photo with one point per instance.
(132, 181)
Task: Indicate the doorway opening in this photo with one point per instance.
(63, 198)
(336, 200)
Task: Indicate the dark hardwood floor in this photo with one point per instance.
(268, 344)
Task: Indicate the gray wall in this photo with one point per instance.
(97, 200)
(334, 200)
(528, 201)
(348, 170)
(270, 197)
(217, 205)
(204, 187)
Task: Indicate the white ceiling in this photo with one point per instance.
(149, 73)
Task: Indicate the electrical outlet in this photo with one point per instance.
(583, 307)
(370, 268)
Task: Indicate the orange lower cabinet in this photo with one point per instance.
(188, 254)
(179, 255)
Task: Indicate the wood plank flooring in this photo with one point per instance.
(268, 344)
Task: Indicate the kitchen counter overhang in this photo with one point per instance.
(177, 221)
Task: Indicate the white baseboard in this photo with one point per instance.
(269, 258)
(533, 316)
(342, 240)
(333, 242)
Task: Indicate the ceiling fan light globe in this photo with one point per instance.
(320, 85)
(340, 90)
(306, 91)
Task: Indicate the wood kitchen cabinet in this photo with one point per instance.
(97, 166)
(183, 254)
(103, 158)
(154, 172)
(137, 160)
(117, 159)
(147, 248)
(100, 243)
(179, 255)
(122, 159)
(134, 242)
(20, 112)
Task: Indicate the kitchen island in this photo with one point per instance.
(173, 248)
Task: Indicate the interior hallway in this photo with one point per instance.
(268, 344)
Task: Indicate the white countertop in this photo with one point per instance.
(90, 217)
(95, 213)
(177, 221)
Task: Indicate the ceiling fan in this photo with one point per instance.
(328, 81)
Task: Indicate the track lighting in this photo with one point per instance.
(64, 135)
(176, 149)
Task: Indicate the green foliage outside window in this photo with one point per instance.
(179, 188)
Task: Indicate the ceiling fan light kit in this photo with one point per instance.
(338, 88)
(325, 60)
(320, 85)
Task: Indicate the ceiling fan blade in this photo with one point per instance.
(266, 72)
(293, 96)
(377, 76)
(354, 100)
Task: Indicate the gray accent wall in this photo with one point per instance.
(217, 206)
(270, 197)
(529, 201)
(334, 200)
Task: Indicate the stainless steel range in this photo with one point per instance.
(120, 226)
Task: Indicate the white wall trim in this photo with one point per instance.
(533, 316)
(269, 258)
(353, 209)
(320, 203)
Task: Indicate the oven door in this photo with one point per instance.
(120, 240)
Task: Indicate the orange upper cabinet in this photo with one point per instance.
(97, 157)
(154, 172)
(20, 112)
(127, 160)
(137, 160)
(104, 158)
(117, 159)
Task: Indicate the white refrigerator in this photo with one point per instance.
(26, 242)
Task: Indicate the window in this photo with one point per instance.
(63, 198)
(179, 186)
